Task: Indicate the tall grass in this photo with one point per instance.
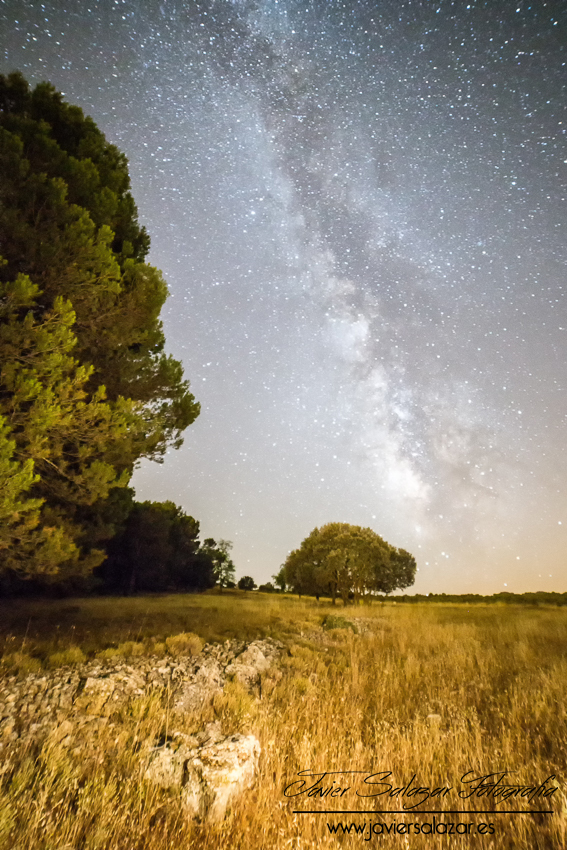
(42, 628)
(434, 691)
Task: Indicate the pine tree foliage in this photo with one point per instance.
(59, 433)
(158, 549)
(86, 389)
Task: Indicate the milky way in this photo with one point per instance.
(360, 210)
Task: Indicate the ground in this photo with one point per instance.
(427, 699)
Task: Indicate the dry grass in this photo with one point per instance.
(38, 629)
(496, 676)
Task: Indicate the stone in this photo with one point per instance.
(218, 775)
(9, 728)
(246, 668)
(62, 731)
(210, 734)
(95, 695)
(209, 770)
(32, 707)
(167, 764)
(201, 688)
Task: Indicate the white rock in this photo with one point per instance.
(218, 775)
(207, 682)
(246, 668)
(210, 771)
(167, 765)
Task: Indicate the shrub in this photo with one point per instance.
(73, 655)
(332, 621)
(186, 643)
(20, 662)
(234, 706)
(123, 650)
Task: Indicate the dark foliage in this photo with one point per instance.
(535, 599)
(246, 583)
(86, 389)
(157, 550)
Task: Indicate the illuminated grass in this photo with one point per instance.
(495, 679)
(42, 628)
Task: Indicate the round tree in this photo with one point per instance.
(246, 583)
(342, 559)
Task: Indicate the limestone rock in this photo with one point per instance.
(168, 761)
(95, 695)
(210, 770)
(246, 668)
(92, 692)
(201, 687)
(219, 774)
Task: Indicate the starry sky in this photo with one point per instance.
(360, 211)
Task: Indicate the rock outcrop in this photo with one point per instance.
(209, 770)
(90, 693)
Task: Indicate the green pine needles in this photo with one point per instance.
(86, 389)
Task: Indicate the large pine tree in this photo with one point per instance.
(86, 389)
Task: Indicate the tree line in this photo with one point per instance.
(535, 598)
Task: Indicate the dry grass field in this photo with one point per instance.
(425, 691)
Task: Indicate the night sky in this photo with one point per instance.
(360, 210)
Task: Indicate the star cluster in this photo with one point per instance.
(360, 210)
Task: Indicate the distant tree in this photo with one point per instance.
(302, 570)
(246, 583)
(344, 559)
(401, 574)
(267, 588)
(158, 549)
(280, 579)
(223, 567)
